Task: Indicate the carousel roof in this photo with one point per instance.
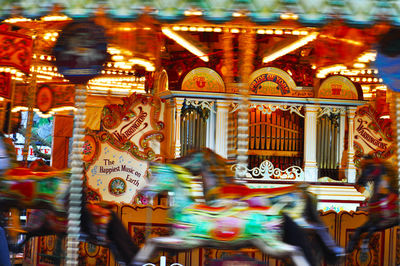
(309, 12)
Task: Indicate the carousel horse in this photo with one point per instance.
(298, 206)
(233, 226)
(45, 190)
(380, 178)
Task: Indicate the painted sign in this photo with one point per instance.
(31, 154)
(338, 87)
(203, 79)
(118, 155)
(276, 82)
(372, 136)
(116, 175)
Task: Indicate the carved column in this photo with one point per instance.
(310, 143)
(221, 128)
(351, 168)
(177, 128)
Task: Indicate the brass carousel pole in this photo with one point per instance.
(31, 103)
(227, 39)
(246, 45)
(75, 194)
(395, 114)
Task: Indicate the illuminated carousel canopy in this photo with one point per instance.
(310, 12)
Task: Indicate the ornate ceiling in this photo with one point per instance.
(308, 12)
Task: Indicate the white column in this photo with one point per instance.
(177, 128)
(221, 128)
(341, 156)
(210, 138)
(342, 127)
(310, 143)
(351, 168)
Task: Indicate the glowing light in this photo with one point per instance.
(55, 18)
(16, 20)
(359, 65)
(367, 56)
(145, 63)
(290, 48)
(117, 57)
(193, 12)
(349, 41)
(323, 72)
(289, 16)
(185, 43)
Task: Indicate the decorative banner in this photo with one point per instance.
(274, 81)
(5, 85)
(63, 95)
(338, 87)
(81, 51)
(372, 136)
(15, 50)
(118, 156)
(203, 79)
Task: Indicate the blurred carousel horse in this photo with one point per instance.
(45, 190)
(294, 202)
(233, 226)
(380, 179)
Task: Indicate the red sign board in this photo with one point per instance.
(15, 50)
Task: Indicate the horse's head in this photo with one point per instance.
(193, 161)
(164, 177)
(370, 169)
(375, 170)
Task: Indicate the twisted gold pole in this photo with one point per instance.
(246, 45)
(227, 40)
(396, 130)
(75, 194)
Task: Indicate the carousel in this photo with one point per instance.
(199, 132)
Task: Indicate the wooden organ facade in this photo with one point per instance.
(276, 136)
(291, 133)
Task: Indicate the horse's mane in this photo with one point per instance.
(214, 170)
